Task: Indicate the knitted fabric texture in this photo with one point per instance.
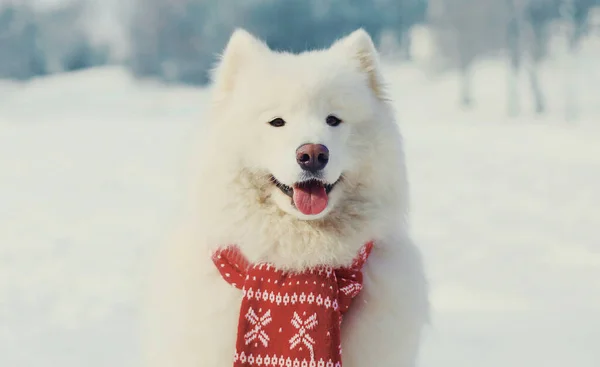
(290, 319)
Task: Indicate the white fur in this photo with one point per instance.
(194, 312)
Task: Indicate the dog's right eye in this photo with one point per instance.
(333, 120)
(278, 122)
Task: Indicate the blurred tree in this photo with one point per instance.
(82, 55)
(574, 13)
(35, 43)
(537, 17)
(21, 55)
(527, 36)
(178, 40)
(400, 16)
(64, 41)
(468, 30)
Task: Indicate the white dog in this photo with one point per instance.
(301, 165)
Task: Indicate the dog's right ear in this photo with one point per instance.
(241, 49)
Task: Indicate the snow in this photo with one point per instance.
(506, 212)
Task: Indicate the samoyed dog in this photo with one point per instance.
(301, 164)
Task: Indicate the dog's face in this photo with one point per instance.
(299, 122)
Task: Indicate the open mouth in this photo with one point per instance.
(310, 197)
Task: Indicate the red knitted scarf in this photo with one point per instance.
(290, 319)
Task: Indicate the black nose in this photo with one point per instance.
(312, 157)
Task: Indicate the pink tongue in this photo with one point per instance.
(311, 199)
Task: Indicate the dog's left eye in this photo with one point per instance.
(277, 122)
(333, 120)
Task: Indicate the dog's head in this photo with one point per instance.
(311, 126)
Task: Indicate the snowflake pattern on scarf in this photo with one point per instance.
(290, 319)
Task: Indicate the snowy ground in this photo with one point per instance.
(506, 211)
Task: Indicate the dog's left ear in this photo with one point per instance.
(359, 46)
